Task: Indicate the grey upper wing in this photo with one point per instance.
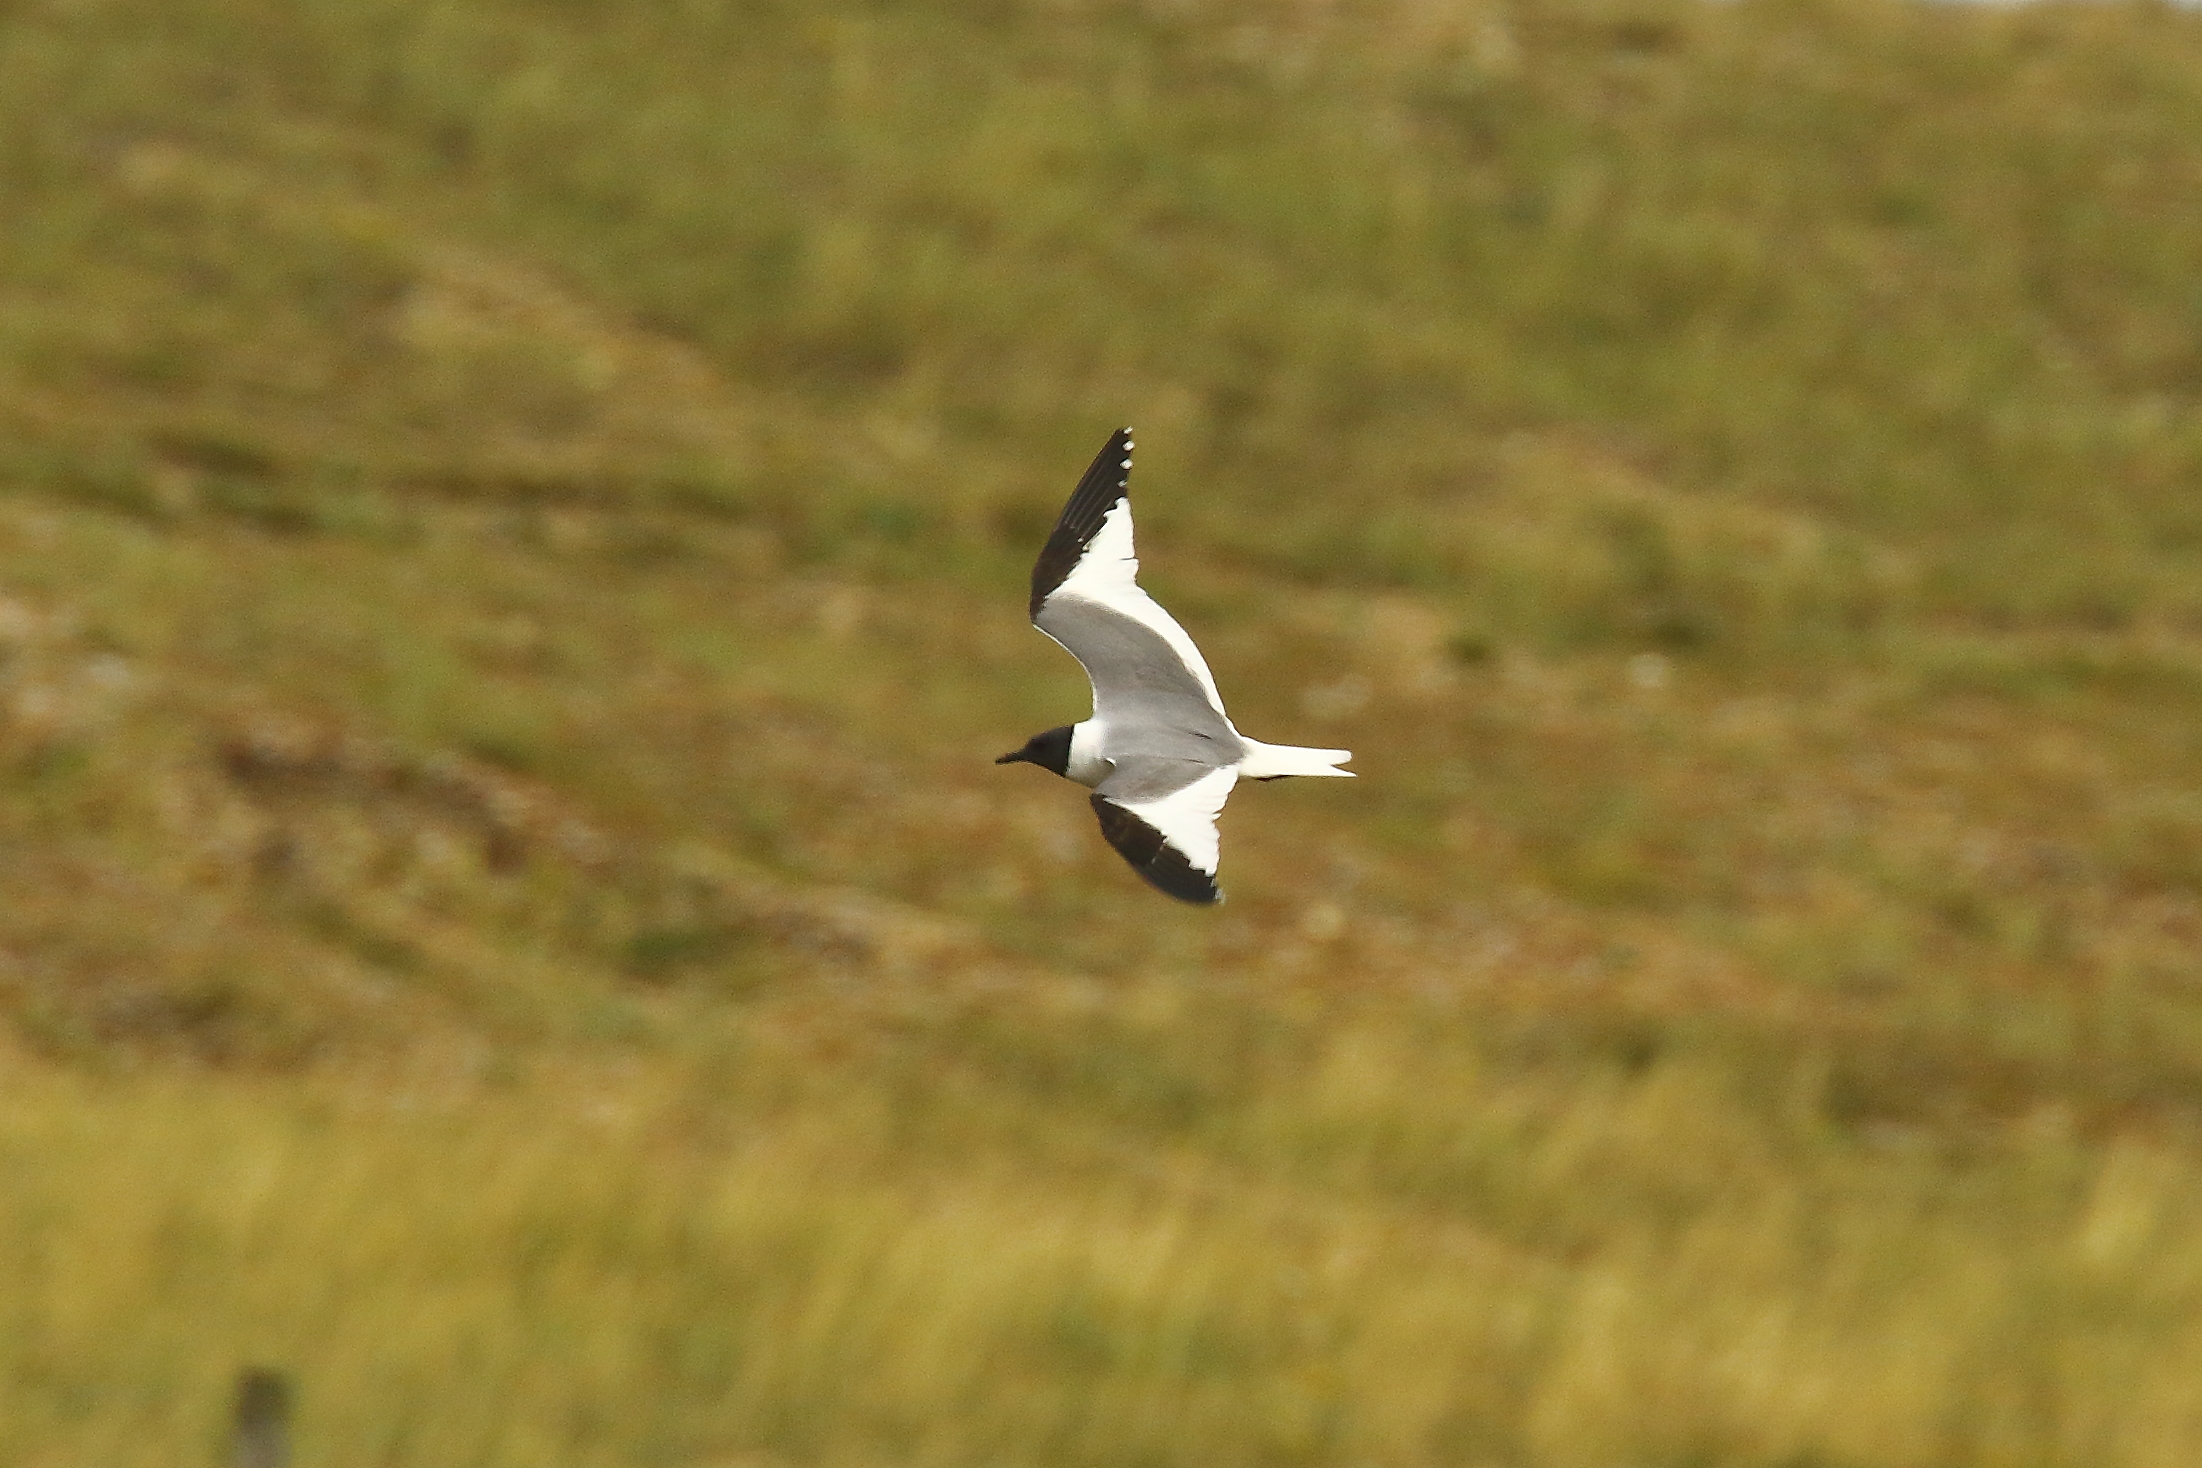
(1150, 701)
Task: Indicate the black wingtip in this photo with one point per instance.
(1153, 857)
(1098, 490)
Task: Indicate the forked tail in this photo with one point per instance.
(1275, 761)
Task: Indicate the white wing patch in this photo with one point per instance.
(1187, 817)
(1109, 563)
(1108, 574)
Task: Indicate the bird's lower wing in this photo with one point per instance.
(1165, 825)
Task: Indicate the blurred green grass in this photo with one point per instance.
(511, 526)
(1398, 1243)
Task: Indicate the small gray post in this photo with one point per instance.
(261, 1437)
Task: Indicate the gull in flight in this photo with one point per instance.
(1159, 752)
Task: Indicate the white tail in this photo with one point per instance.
(1270, 761)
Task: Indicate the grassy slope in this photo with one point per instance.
(508, 575)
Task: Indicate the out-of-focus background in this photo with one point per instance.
(514, 520)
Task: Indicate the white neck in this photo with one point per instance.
(1085, 764)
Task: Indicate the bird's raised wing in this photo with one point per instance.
(1160, 815)
(1088, 565)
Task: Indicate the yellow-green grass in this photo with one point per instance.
(512, 526)
(1405, 1242)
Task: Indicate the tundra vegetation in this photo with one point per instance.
(513, 522)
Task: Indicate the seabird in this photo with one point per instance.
(1159, 752)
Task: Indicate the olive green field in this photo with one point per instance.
(515, 519)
